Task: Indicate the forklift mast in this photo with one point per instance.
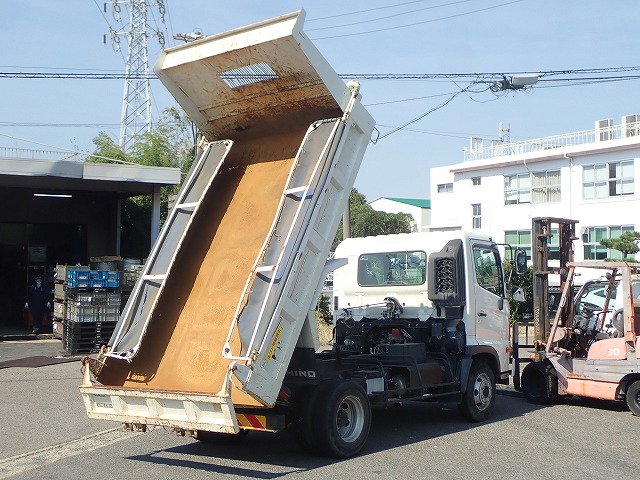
(543, 229)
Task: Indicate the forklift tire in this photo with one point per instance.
(633, 398)
(342, 418)
(479, 399)
(540, 383)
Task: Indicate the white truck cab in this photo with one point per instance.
(442, 290)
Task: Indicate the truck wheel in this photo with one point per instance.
(304, 419)
(479, 399)
(540, 383)
(342, 418)
(633, 398)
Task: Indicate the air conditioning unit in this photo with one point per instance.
(631, 125)
(604, 130)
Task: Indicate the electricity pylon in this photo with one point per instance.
(136, 102)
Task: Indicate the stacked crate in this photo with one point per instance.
(93, 299)
(60, 296)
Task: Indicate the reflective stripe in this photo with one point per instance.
(253, 422)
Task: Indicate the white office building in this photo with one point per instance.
(587, 176)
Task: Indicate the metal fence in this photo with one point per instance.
(8, 152)
(603, 134)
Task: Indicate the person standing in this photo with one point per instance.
(37, 303)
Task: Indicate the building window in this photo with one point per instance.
(592, 248)
(538, 187)
(445, 187)
(521, 239)
(475, 181)
(546, 187)
(476, 218)
(517, 239)
(604, 180)
(517, 189)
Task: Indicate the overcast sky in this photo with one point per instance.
(356, 37)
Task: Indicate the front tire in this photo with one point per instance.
(540, 383)
(633, 398)
(343, 418)
(479, 399)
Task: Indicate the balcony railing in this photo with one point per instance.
(613, 132)
(29, 153)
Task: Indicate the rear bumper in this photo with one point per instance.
(176, 410)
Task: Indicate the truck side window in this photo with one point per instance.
(488, 269)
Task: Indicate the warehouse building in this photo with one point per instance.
(58, 209)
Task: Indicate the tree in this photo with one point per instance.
(625, 243)
(366, 221)
(525, 281)
(169, 144)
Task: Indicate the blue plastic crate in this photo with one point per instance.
(76, 275)
(97, 283)
(113, 275)
(98, 274)
(73, 283)
(113, 283)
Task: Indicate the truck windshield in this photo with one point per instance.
(392, 268)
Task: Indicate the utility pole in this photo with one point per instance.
(136, 102)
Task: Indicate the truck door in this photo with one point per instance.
(491, 308)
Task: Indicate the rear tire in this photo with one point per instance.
(633, 398)
(342, 418)
(304, 419)
(540, 383)
(479, 399)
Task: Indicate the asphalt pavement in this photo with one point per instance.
(41, 406)
(46, 434)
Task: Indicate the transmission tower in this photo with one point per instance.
(136, 101)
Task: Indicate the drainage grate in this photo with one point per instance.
(258, 72)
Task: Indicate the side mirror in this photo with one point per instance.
(518, 295)
(521, 261)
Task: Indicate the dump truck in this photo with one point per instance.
(219, 335)
(590, 348)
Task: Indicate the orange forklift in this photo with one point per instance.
(591, 348)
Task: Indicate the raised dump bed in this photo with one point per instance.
(225, 293)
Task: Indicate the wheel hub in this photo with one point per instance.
(482, 391)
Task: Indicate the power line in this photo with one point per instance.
(386, 17)
(358, 12)
(66, 150)
(419, 23)
(420, 117)
(117, 75)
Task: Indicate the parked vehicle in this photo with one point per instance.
(219, 335)
(591, 350)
